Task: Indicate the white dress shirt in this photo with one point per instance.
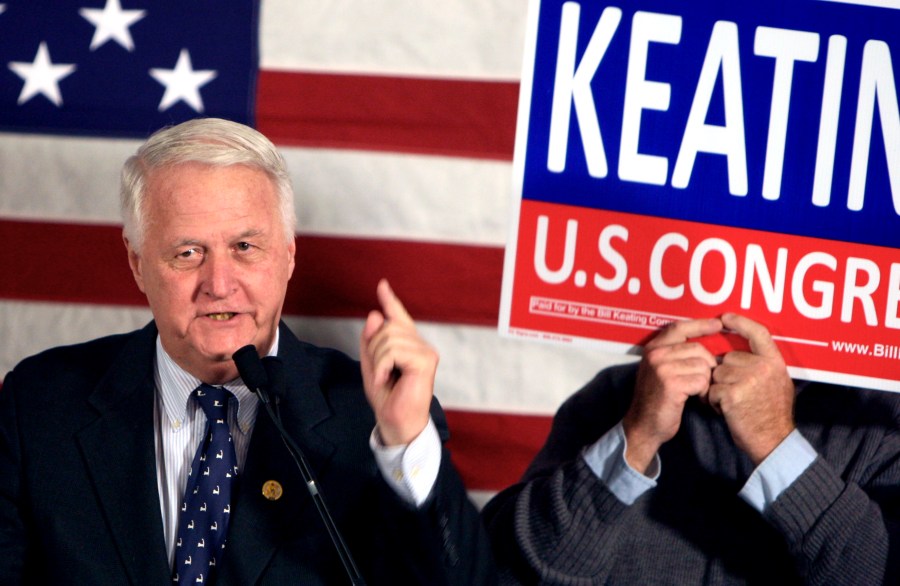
(606, 458)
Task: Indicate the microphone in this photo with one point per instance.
(267, 376)
(275, 371)
(250, 367)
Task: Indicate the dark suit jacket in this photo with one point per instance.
(79, 502)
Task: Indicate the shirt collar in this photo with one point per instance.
(175, 386)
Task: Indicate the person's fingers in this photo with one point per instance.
(681, 331)
(683, 354)
(373, 323)
(757, 335)
(391, 305)
(391, 352)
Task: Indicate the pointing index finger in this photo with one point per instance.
(391, 305)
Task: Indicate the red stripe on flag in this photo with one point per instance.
(335, 277)
(437, 282)
(68, 263)
(492, 450)
(462, 118)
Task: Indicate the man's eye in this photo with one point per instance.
(244, 246)
(189, 253)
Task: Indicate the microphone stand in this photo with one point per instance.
(257, 379)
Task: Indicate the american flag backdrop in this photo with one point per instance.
(397, 119)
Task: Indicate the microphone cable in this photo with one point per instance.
(259, 378)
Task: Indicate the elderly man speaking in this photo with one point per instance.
(144, 458)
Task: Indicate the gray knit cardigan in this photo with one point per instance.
(839, 523)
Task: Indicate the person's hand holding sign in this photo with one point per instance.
(398, 369)
(674, 367)
(749, 387)
(753, 391)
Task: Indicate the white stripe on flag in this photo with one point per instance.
(338, 192)
(478, 370)
(448, 39)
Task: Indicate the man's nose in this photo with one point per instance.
(219, 276)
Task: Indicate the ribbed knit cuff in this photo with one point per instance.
(802, 504)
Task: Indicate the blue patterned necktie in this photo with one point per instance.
(205, 511)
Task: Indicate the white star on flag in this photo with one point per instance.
(2, 8)
(41, 76)
(112, 24)
(183, 83)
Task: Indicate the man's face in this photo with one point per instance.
(214, 264)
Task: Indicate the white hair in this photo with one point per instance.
(208, 141)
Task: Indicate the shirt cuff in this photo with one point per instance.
(411, 469)
(778, 471)
(606, 458)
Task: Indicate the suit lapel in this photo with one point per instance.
(304, 411)
(260, 525)
(119, 452)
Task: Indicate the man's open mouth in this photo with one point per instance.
(221, 316)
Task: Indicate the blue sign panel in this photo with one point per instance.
(775, 115)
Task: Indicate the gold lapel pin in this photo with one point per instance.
(272, 490)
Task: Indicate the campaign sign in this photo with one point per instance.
(683, 159)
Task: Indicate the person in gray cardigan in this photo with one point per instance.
(689, 468)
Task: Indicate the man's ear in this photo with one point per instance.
(292, 247)
(134, 261)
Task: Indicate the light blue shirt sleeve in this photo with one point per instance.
(606, 458)
(778, 471)
(411, 469)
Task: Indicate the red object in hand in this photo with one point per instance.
(723, 342)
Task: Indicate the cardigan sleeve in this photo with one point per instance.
(843, 530)
(561, 524)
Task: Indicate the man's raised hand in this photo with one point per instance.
(398, 370)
